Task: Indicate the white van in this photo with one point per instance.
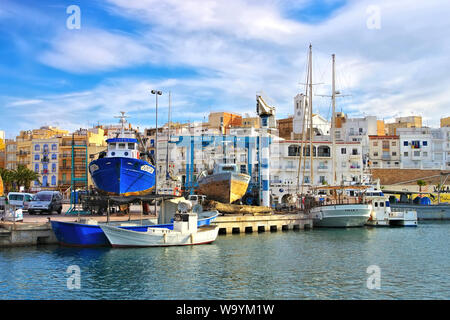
(20, 199)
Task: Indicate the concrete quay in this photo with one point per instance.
(36, 230)
(237, 223)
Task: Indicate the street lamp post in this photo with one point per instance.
(156, 93)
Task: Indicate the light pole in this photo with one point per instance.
(156, 93)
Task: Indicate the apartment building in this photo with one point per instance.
(403, 122)
(384, 152)
(44, 160)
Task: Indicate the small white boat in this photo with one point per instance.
(383, 215)
(185, 232)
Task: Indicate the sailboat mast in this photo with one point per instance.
(333, 124)
(168, 139)
(310, 118)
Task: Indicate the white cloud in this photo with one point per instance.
(238, 47)
(87, 50)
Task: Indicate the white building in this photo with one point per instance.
(320, 124)
(285, 166)
(417, 150)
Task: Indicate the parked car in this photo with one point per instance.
(46, 201)
(20, 199)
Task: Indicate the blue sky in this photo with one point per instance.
(215, 56)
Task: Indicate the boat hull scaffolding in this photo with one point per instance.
(123, 176)
(225, 187)
(341, 215)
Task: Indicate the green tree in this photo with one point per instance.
(421, 183)
(24, 176)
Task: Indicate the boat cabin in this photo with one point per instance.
(225, 167)
(123, 147)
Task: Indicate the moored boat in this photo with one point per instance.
(341, 215)
(90, 234)
(185, 231)
(225, 184)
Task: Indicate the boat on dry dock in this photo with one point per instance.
(224, 184)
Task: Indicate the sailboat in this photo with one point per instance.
(333, 213)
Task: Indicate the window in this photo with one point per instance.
(355, 152)
(112, 145)
(360, 130)
(324, 151)
(394, 153)
(293, 150)
(393, 143)
(343, 150)
(36, 157)
(322, 179)
(37, 147)
(53, 180)
(405, 143)
(54, 156)
(54, 147)
(244, 169)
(131, 146)
(405, 154)
(375, 154)
(385, 144)
(425, 143)
(375, 143)
(36, 167)
(121, 145)
(416, 153)
(425, 154)
(53, 167)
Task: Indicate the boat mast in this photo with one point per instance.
(333, 125)
(168, 139)
(310, 118)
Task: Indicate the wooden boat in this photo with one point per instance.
(225, 184)
(185, 232)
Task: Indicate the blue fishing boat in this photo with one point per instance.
(91, 235)
(120, 171)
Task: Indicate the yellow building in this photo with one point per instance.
(403, 122)
(24, 142)
(92, 141)
(11, 157)
(445, 122)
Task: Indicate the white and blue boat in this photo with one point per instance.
(121, 171)
(90, 234)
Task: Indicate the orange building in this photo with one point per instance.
(224, 120)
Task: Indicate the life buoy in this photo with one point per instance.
(177, 191)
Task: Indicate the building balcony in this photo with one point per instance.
(322, 168)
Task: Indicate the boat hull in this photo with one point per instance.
(225, 187)
(122, 176)
(157, 237)
(426, 212)
(341, 215)
(77, 234)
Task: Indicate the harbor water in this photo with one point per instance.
(413, 263)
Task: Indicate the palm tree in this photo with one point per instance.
(421, 183)
(8, 178)
(24, 176)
